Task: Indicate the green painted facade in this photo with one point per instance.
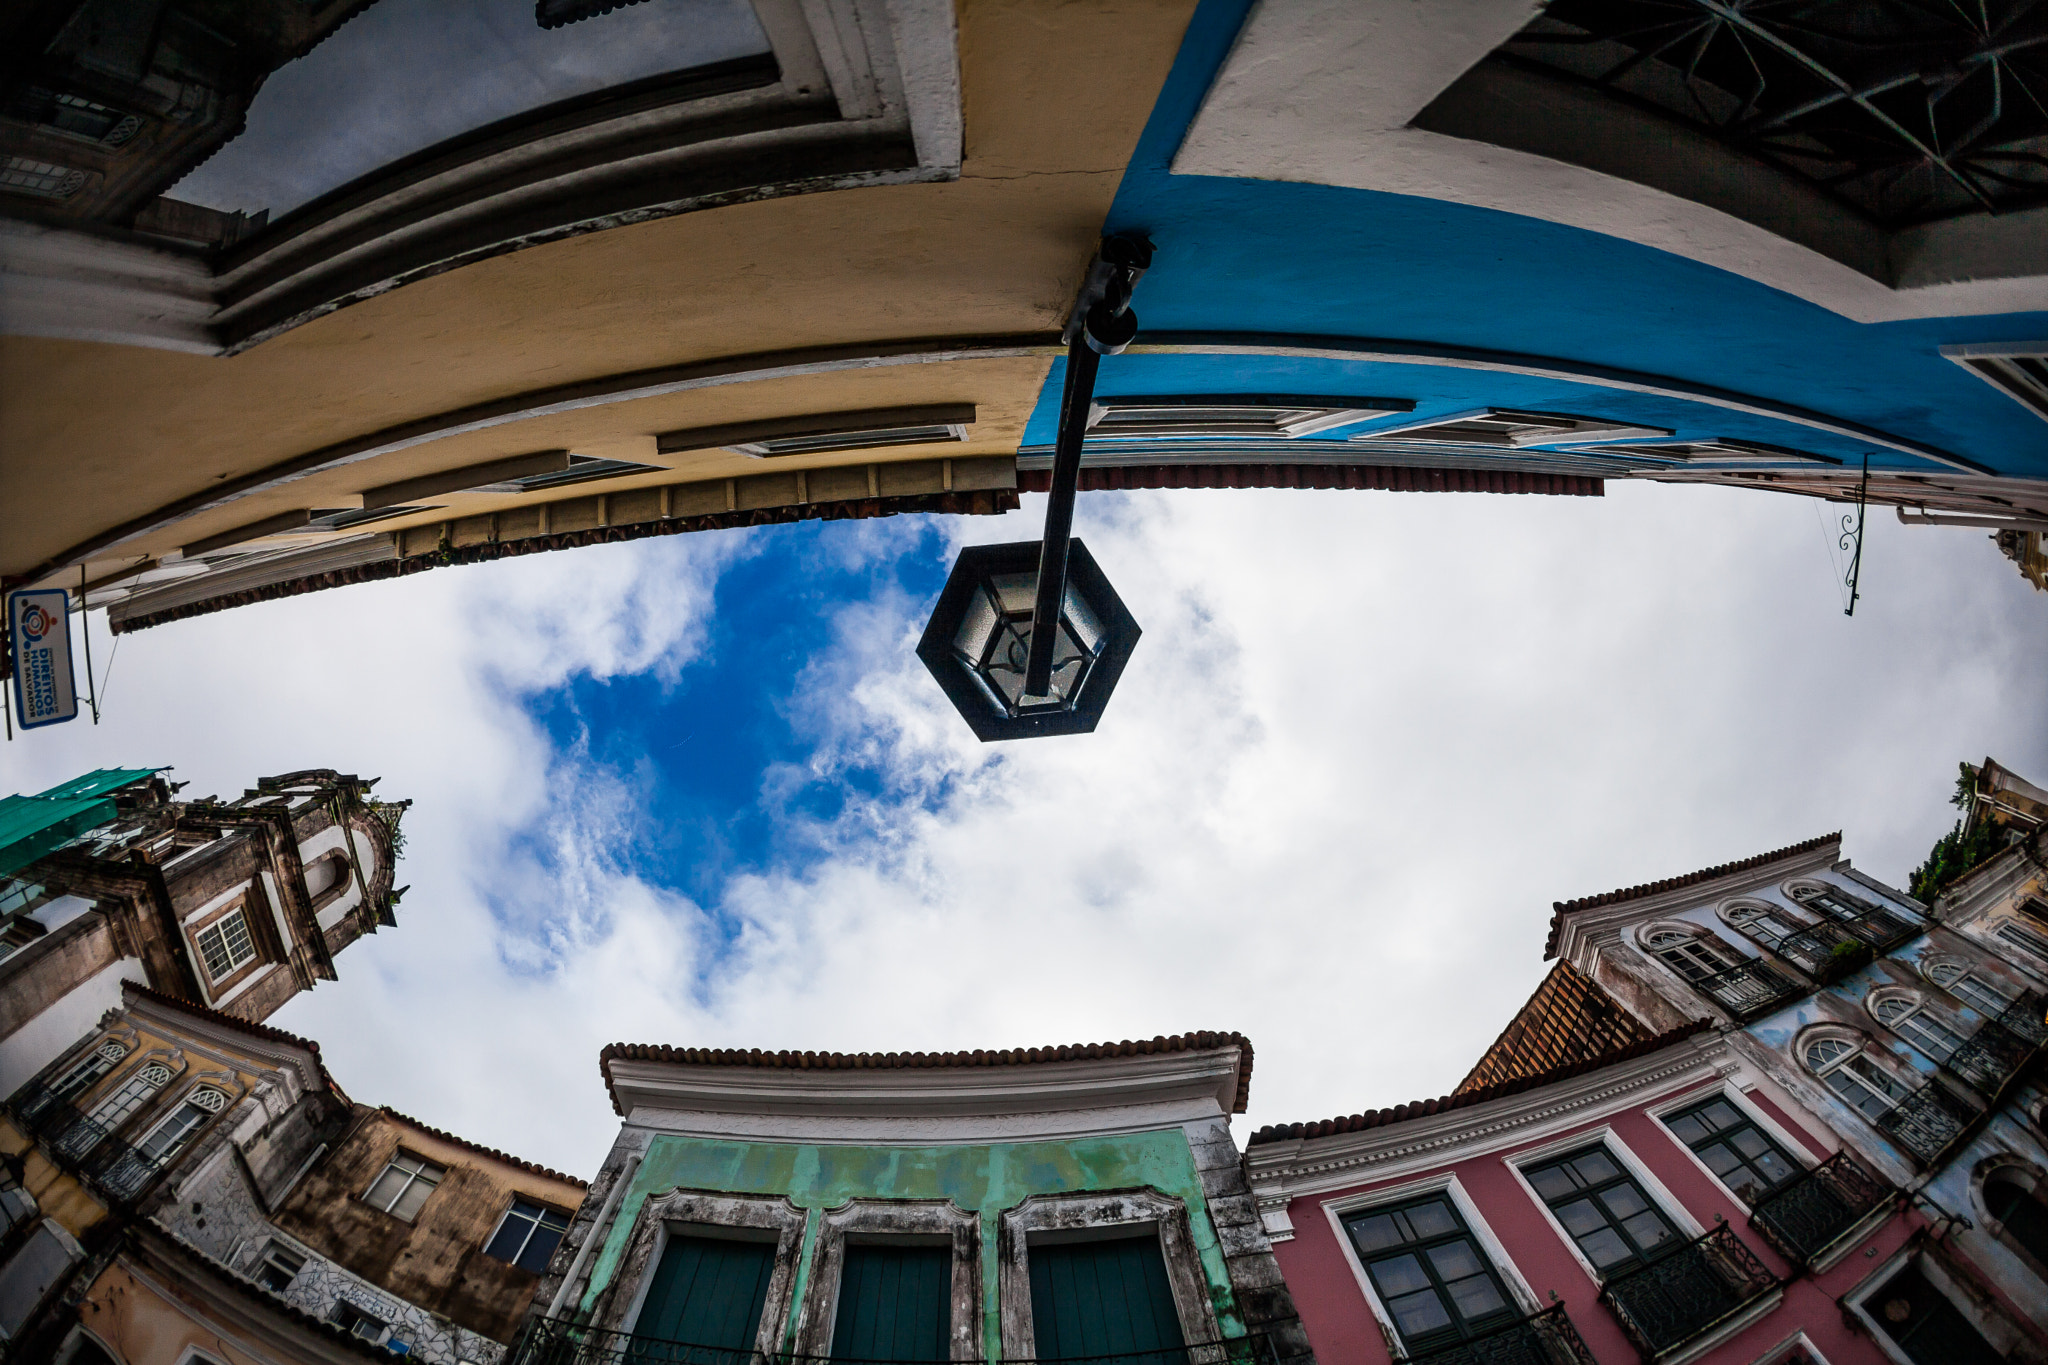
(988, 1179)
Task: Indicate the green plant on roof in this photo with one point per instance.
(1969, 843)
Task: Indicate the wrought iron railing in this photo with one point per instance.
(551, 1341)
(82, 1143)
(1687, 1292)
(1988, 1057)
(1926, 1121)
(1749, 989)
(2025, 1016)
(1803, 1219)
(1881, 929)
(1827, 952)
(1545, 1338)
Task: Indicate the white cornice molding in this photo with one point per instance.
(1283, 1171)
(997, 1103)
(1595, 924)
(228, 1044)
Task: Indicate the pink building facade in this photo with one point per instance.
(1615, 1210)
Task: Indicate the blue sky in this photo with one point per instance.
(698, 790)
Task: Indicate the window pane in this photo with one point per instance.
(1431, 1220)
(408, 1205)
(512, 1234)
(1551, 1182)
(1649, 1230)
(1720, 1114)
(1376, 1232)
(1623, 1200)
(1418, 1314)
(1689, 1128)
(1605, 1248)
(1476, 1297)
(1580, 1218)
(1455, 1260)
(1399, 1275)
(540, 1248)
(1594, 1167)
(386, 1188)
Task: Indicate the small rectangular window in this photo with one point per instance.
(1734, 1148)
(528, 1235)
(404, 1185)
(356, 1322)
(1604, 1210)
(225, 946)
(278, 1267)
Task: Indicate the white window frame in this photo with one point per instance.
(277, 1246)
(1916, 1004)
(101, 1052)
(384, 1329)
(1793, 1146)
(1447, 1182)
(189, 1100)
(503, 1218)
(218, 928)
(1667, 1203)
(904, 1222)
(1966, 971)
(1754, 908)
(411, 1178)
(1858, 1047)
(1080, 1215)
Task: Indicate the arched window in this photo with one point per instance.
(1692, 954)
(114, 1110)
(1908, 1016)
(324, 874)
(1965, 985)
(1766, 924)
(83, 1076)
(1849, 1071)
(2013, 1196)
(170, 1137)
(1830, 900)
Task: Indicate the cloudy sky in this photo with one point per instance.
(699, 790)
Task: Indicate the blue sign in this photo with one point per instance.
(39, 629)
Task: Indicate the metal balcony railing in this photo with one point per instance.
(1827, 952)
(1806, 1218)
(83, 1144)
(551, 1341)
(2024, 1016)
(1545, 1338)
(1989, 1056)
(1926, 1121)
(1749, 989)
(1688, 1292)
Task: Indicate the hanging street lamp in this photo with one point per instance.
(1028, 639)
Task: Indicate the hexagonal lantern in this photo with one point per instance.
(979, 639)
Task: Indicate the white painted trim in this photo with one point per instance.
(240, 987)
(1335, 1210)
(1729, 1330)
(1606, 1138)
(1324, 92)
(1307, 1167)
(1853, 1301)
(1792, 1148)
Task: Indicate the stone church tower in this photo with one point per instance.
(232, 905)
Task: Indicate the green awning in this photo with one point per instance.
(31, 826)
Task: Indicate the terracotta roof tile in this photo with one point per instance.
(1415, 1109)
(532, 1168)
(1566, 1019)
(902, 1061)
(1706, 874)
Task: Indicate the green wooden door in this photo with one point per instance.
(1093, 1299)
(706, 1292)
(895, 1303)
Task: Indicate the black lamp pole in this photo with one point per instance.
(1102, 324)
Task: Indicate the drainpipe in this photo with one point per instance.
(1922, 517)
(598, 1230)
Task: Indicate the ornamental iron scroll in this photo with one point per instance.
(1544, 1338)
(1905, 111)
(1806, 1217)
(1926, 1121)
(1679, 1296)
(1749, 989)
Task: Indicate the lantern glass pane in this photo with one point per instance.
(1082, 620)
(972, 639)
(1016, 591)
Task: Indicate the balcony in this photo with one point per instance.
(1545, 1338)
(553, 1341)
(1805, 1219)
(1680, 1297)
(1751, 989)
(1926, 1121)
(81, 1144)
(2024, 1016)
(1881, 929)
(1827, 952)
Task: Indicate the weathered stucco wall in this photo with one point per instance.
(987, 1179)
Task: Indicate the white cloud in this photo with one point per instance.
(1364, 743)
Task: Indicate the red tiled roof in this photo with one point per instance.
(903, 1061)
(254, 1030)
(1566, 1019)
(1415, 1109)
(1706, 874)
(532, 1168)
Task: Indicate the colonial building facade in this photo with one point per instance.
(1036, 1204)
(184, 1184)
(235, 905)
